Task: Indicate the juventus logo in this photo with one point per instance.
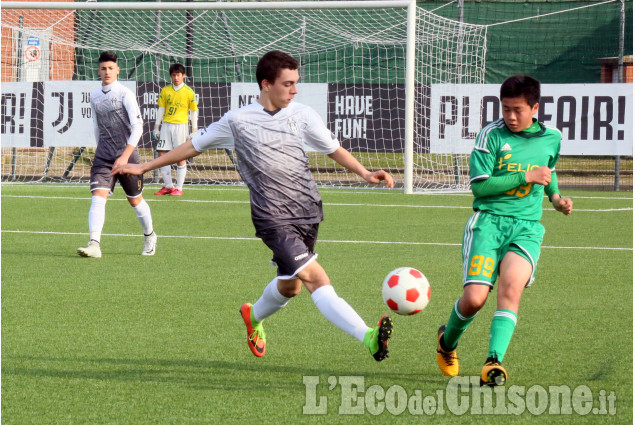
(66, 103)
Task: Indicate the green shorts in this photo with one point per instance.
(486, 240)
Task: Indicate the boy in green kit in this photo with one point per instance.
(512, 166)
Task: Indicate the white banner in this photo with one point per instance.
(314, 95)
(595, 119)
(15, 106)
(67, 113)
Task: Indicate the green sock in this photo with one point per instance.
(501, 332)
(457, 324)
(254, 322)
(368, 341)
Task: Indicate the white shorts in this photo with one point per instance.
(172, 135)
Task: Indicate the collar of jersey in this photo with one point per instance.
(535, 129)
(105, 89)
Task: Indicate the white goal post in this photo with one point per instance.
(385, 76)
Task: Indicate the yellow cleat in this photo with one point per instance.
(448, 361)
(493, 374)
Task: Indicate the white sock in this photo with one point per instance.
(96, 217)
(144, 216)
(166, 173)
(180, 176)
(269, 302)
(339, 312)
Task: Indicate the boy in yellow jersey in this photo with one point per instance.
(175, 101)
(512, 166)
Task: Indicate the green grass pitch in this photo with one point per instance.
(130, 340)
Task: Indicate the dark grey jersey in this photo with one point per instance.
(117, 121)
(272, 159)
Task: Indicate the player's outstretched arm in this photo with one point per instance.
(348, 161)
(564, 205)
(180, 153)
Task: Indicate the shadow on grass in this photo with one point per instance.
(201, 374)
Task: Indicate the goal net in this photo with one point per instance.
(353, 72)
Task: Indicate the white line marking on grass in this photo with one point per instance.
(336, 204)
(74, 198)
(232, 238)
(238, 188)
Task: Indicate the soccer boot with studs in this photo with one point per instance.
(256, 338)
(377, 338)
(149, 244)
(93, 250)
(164, 191)
(448, 361)
(493, 374)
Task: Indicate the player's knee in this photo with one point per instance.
(135, 201)
(290, 288)
(510, 293)
(292, 292)
(312, 284)
(471, 303)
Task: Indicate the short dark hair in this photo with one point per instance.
(177, 67)
(270, 65)
(108, 57)
(521, 85)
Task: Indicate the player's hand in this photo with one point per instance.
(378, 176)
(136, 169)
(540, 175)
(191, 136)
(564, 205)
(121, 161)
(156, 134)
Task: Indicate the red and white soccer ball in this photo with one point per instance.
(406, 291)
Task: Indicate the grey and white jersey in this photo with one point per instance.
(117, 121)
(272, 160)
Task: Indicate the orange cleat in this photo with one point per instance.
(256, 338)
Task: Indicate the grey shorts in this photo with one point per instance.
(292, 247)
(100, 178)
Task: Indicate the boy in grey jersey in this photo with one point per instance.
(286, 208)
(118, 126)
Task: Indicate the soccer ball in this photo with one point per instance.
(406, 291)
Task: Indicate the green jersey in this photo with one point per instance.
(500, 153)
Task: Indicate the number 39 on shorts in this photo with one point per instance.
(481, 265)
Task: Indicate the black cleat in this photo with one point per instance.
(381, 334)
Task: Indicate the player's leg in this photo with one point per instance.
(180, 134)
(274, 297)
(462, 314)
(166, 175)
(181, 170)
(96, 219)
(517, 271)
(342, 315)
(164, 145)
(292, 248)
(333, 307)
(133, 186)
(479, 275)
(280, 290)
(101, 184)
